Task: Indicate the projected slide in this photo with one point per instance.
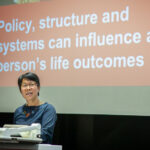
(89, 49)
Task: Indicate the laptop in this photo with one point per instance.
(16, 138)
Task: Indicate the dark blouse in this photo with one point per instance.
(44, 114)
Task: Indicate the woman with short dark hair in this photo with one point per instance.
(35, 110)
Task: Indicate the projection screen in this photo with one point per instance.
(92, 56)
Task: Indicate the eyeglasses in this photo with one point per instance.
(31, 85)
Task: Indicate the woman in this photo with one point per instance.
(35, 110)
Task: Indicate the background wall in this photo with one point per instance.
(85, 100)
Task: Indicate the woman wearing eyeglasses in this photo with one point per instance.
(34, 110)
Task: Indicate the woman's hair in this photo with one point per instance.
(30, 76)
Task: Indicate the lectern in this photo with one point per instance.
(28, 146)
(27, 139)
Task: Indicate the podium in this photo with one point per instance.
(28, 146)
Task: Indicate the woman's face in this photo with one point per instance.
(29, 90)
